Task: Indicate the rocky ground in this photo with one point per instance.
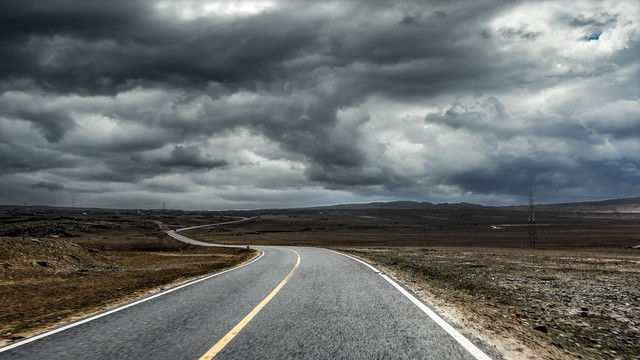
(574, 297)
(530, 304)
(577, 296)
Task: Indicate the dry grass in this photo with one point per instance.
(47, 281)
(531, 304)
(576, 297)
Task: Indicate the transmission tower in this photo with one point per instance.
(532, 242)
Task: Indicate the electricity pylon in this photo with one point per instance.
(532, 242)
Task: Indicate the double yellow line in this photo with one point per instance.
(236, 329)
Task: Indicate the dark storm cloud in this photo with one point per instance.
(51, 186)
(53, 124)
(71, 47)
(191, 157)
(97, 47)
(371, 98)
(25, 159)
(138, 167)
(551, 175)
(19, 154)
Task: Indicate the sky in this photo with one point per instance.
(269, 104)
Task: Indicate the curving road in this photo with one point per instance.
(311, 304)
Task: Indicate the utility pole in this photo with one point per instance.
(532, 241)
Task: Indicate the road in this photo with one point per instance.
(302, 303)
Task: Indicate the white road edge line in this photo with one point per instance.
(461, 339)
(358, 260)
(80, 322)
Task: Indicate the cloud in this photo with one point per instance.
(620, 119)
(191, 157)
(354, 100)
(45, 114)
(51, 186)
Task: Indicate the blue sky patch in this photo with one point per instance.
(593, 36)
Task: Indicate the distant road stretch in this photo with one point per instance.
(291, 303)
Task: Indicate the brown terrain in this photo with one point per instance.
(577, 295)
(55, 269)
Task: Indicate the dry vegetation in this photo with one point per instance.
(577, 296)
(54, 269)
(544, 304)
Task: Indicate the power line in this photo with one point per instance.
(585, 197)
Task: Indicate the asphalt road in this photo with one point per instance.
(331, 307)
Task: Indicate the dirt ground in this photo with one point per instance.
(62, 270)
(530, 304)
(577, 296)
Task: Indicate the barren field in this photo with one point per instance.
(576, 296)
(543, 304)
(55, 269)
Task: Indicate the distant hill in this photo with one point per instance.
(626, 205)
(379, 205)
(399, 205)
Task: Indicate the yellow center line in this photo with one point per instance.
(236, 329)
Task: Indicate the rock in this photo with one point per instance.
(46, 264)
(541, 328)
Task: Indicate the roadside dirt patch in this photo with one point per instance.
(46, 282)
(22, 258)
